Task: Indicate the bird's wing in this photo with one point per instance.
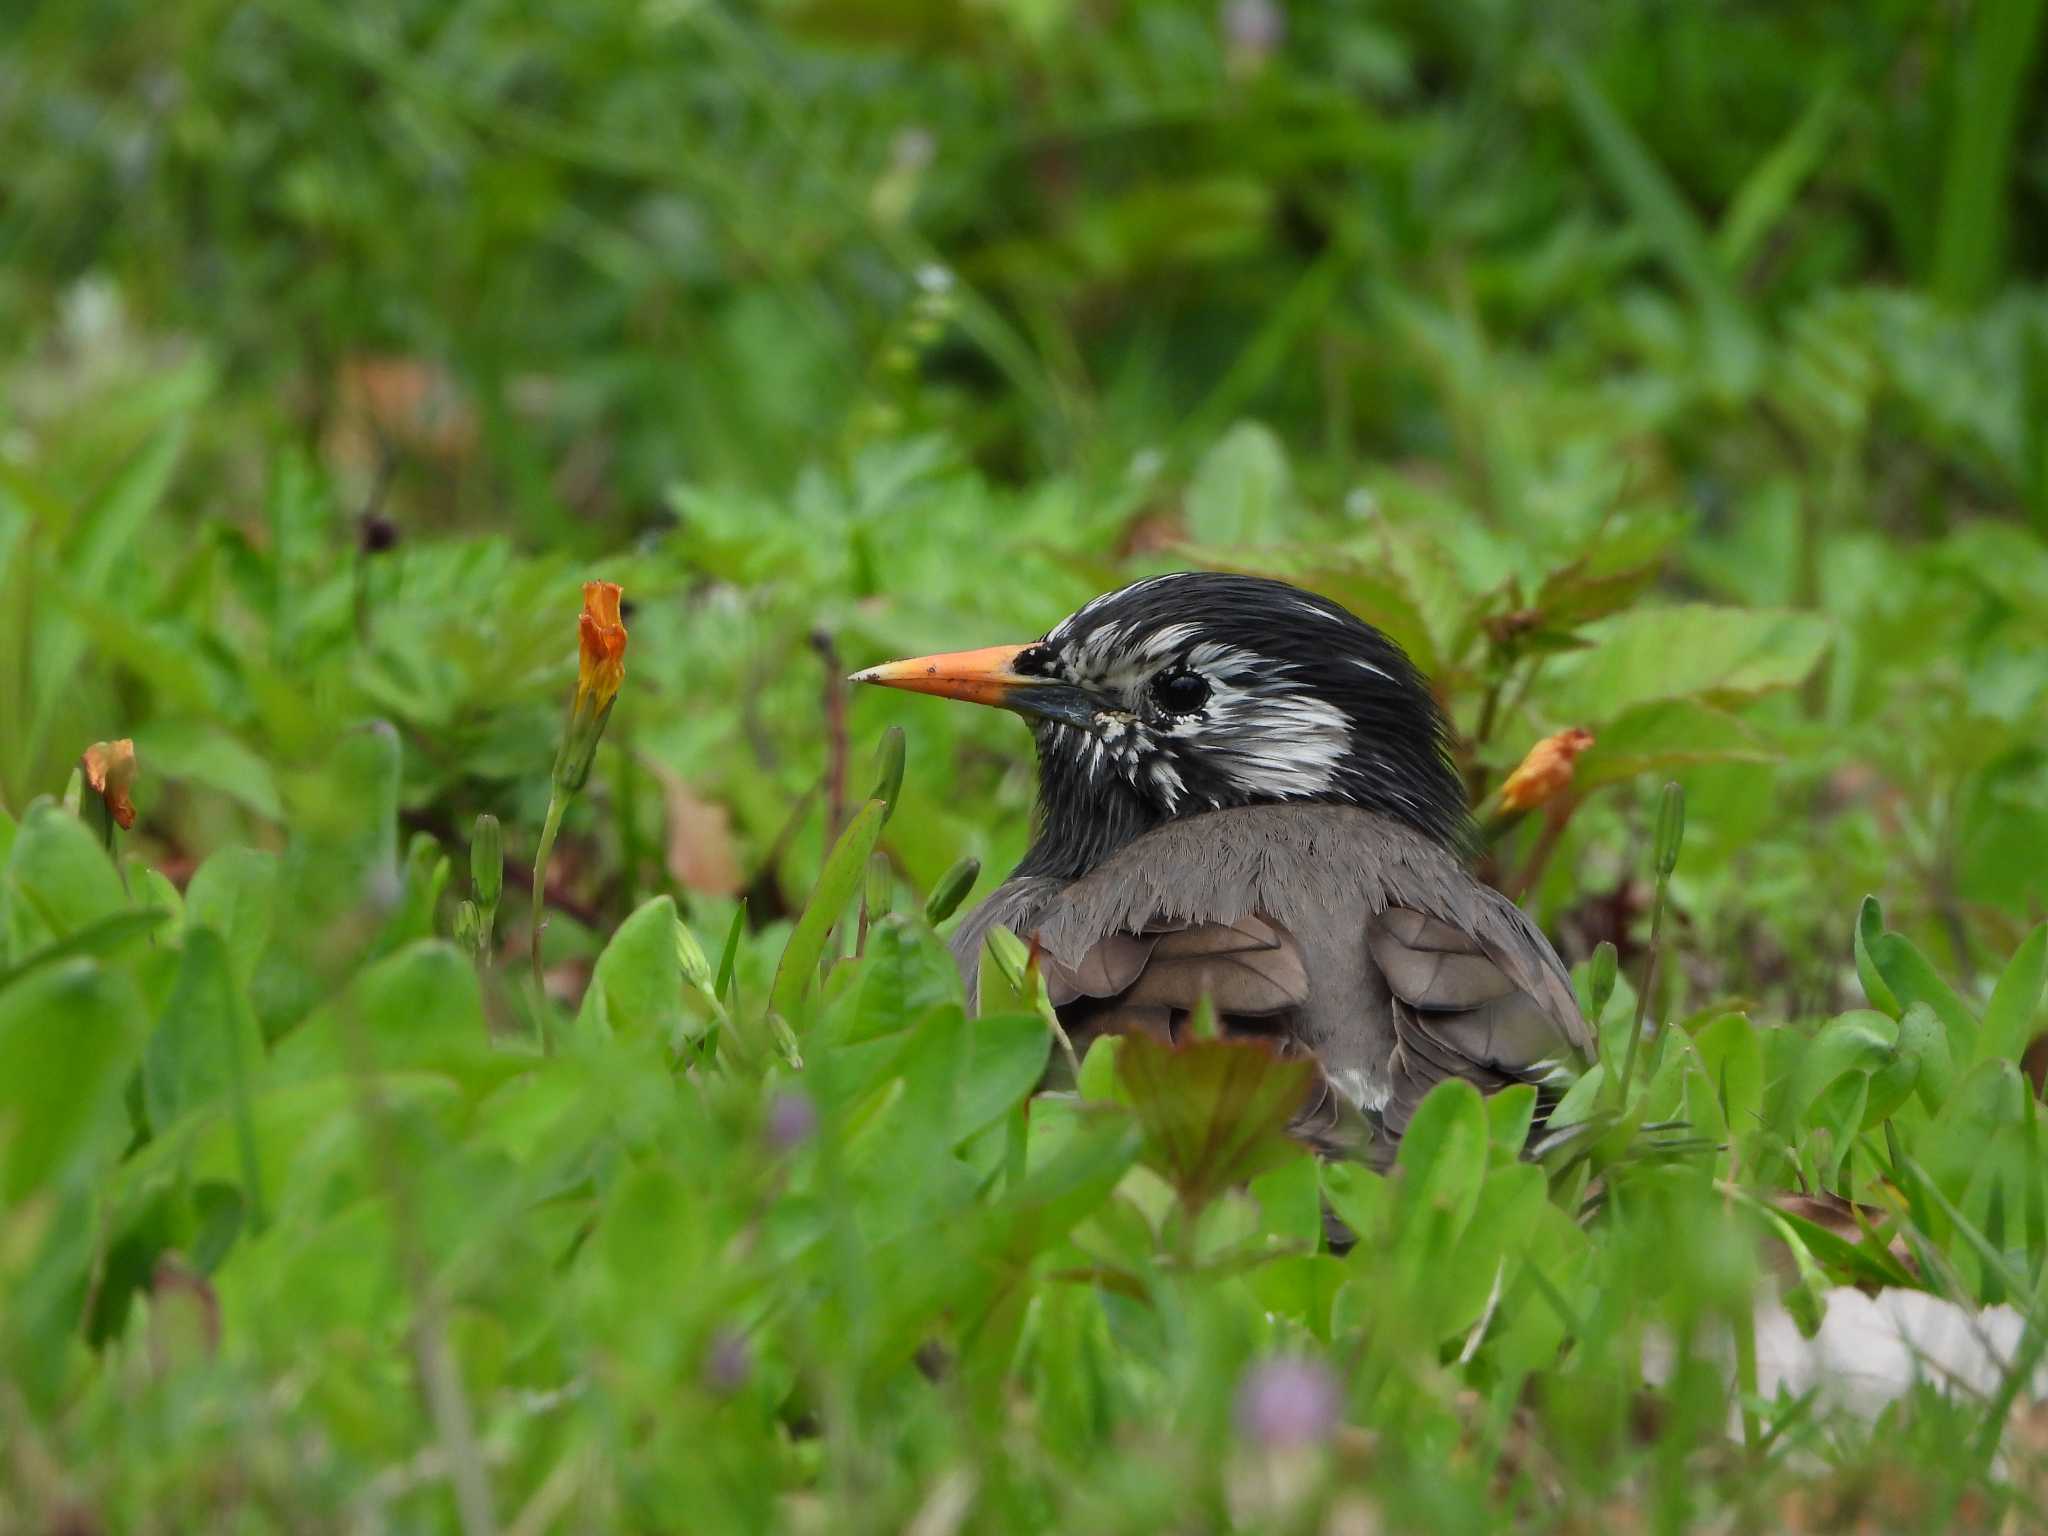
(1488, 1012)
(1326, 928)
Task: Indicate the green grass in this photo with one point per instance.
(1669, 371)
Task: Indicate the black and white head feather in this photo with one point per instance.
(1200, 691)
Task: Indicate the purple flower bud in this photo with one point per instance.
(1288, 1401)
(792, 1120)
(727, 1362)
(1254, 29)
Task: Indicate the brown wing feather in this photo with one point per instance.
(1460, 1012)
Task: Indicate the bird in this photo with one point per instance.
(1246, 795)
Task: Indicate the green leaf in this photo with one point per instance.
(206, 1040)
(106, 535)
(234, 893)
(1911, 979)
(837, 882)
(1509, 1114)
(62, 873)
(1691, 651)
(419, 1008)
(1098, 1070)
(636, 987)
(1921, 1032)
(206, 755)
(2009, 1017)
(1869, 929)
(101, 940)
(1990, 100)
(1770, 189)
(1290, 1200)
(69, 1034)
(1006, 1056)
(1666, 734)
(1732, 1058)
(1214, 1112)
(1239, 494)
(1362, 1199)
(1443, 1156)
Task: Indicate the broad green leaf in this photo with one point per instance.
(207, 755)
(1098, 1070)
(1006, 1056)
(1290, 1199)
(1239, 494)
(637, 985)
(1732, 1059)
(206, 1042)
(1214, 1112)
(62, 873)
(1911, 979)
(1691, 651)
(905, 971)
(69, 1034)
(2009, 1018)
(1664, 734)
(837, 882)
(1509, 1114)
(1443, 1156)
(108, 937)
(1921, 1033)
(234, 893)
(419, 1008)
(1507, 1205)
(1362, 1199)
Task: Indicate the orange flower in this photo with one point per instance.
(1546, 772)
(600, 669)
(110, 770)
(601, 662)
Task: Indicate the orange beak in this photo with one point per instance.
(987, 676)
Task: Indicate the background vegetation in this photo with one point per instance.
(1674, 370)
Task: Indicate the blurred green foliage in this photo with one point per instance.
(1677, 371)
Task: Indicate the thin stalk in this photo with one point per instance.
(1635, 1034)
(548, 828)
(1670, 838)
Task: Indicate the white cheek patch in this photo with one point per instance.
(1271, 746)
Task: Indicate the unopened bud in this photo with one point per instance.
(487, 861)
(889, 771)
(951, 890)
(879, 893)
(1600, 977)
(690, 958)
(1670, 828)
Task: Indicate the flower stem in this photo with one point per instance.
(548, 829)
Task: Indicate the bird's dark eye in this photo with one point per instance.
(1180, 693)
(1033, 661)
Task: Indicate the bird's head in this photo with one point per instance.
(1197, 691)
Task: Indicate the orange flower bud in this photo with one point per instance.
(109, 768)
(1546, 772)
(601, 661)
(600, 669)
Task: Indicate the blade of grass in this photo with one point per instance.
(1769, 190)
(1990, 94)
